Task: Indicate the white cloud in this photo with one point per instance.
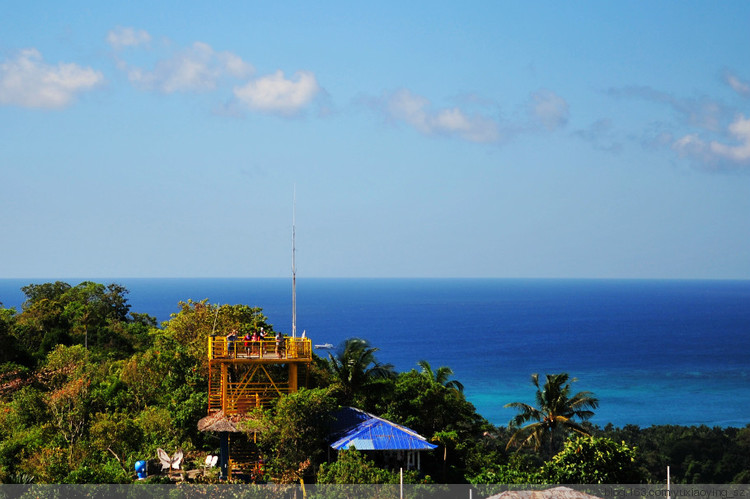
(739, 86)
(200, 68)
(197, 68)
(691, 146)
(417, 111)
(715, 153)
(120, 37)
(276, 94)
(28, 81)
(549, 109)
(717, 137)
(740, 153)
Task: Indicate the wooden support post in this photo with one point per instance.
(292, 377)
(224, 386)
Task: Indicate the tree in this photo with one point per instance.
(41, 325)
(10, 351)
(555, 415)
(196, 321)
(432, 409)
(116, 434)
(68, 378)
(593, 460)
(445, 438)
(355, 366)
(90, 314)
(440, 376)
(293, 440)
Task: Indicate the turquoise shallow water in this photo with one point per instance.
(654, 352)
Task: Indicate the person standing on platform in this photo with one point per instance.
(262, 342)
(231, 341)
(247, 343)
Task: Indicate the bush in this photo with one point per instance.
(109, 472)
(593, 460)
(352, 467)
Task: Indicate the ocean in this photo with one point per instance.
(652, 351)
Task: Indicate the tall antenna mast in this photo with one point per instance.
(294, 265)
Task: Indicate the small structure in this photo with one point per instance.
(367, 432)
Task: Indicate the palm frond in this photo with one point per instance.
(555, 412)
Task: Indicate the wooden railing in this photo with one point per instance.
(288, 348)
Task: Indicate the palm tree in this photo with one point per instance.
(440, 376)
(445, 438)
(355, 365)
(555, 414)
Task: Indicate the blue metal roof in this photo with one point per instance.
(364, 431)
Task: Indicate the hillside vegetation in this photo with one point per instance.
(88, 387)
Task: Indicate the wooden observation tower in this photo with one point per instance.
(243, 375)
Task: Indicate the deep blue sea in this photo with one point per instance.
(654, 352)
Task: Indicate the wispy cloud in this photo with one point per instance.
(719, 154)
(545, 111)
(701, 112)
(600, 135)
(738, 85)
(195, 68)
(549, 109)
(201, 68)
(277, 94)
(120, 37)
(28, 81)
(418, 112)
(707, 132)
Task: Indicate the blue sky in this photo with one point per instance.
(424, 139)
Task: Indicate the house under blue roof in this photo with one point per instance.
(364, 431)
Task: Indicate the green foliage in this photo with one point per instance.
(29, 408)
(352, 467)
(295, 431)
(555, 414)
(695, 454)
(196, 321)
(355, 368)
(117, 434)
(17, 449)
(11, 351)
(107, 472)
(158, 430)
(440, 376)
(505, 474)
(88, 387)
(88, 314)
(423, 403)
(110, 393)
(48, 464)
(593, 460)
